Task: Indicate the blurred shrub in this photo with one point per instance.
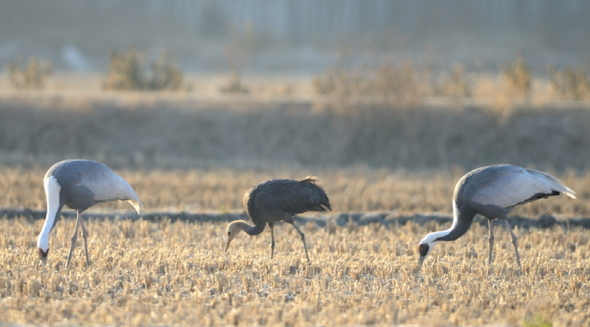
(518, 76)
(455, 85)
(397, 84)
(234, 85)
(32, 76)
(127, 71)
(570, 83)
(338, 82)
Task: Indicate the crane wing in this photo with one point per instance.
(111, 186)
(285, 196)
(97, 181)
(508, 186)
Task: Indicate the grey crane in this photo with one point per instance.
(278, 200)
(493, 191)
(80, 184)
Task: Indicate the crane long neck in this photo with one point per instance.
(54, 206)
(254, 229)
(461, 222)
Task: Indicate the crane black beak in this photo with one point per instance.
(420, 262)
(227, 245)
(43, 254)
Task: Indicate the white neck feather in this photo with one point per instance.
(52, 189)
(430, 238)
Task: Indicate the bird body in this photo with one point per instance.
(80, 184)
(278, 200)
(493, 191)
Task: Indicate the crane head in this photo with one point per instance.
(423, 249)
(426, 245)
(233, 229)
(43, 253)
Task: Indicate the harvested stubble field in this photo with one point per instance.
(159, 272)
(199, 155)
(162, 273)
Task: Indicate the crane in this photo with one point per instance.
(493, 191)
(80, 184)
(278, 200)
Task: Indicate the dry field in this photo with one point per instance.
(350, 190)
(147, 272)
(262, 129)
(197, 153)
(162, 273)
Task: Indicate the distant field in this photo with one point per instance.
(268, 129)
(350, 190)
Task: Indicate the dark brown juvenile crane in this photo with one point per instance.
(493, 191)
(278, 200)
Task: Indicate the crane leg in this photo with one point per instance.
(73, 241)
(491, 240)
(85, 237)
(302, 239)
(272, 242)
(514, 242)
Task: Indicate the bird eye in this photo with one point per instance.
(228, 233)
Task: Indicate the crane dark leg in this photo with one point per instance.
(514, 242)
(491, 240)
(85, 237)
(73, 241)
(272, 241)
(290, 221)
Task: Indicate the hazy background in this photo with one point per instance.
(296, 36)
(467, 116)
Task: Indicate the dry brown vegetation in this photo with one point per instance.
(162, 273)
(195, 153)
(150, 131)
(350, 190)
(128, 71)
(33, 75)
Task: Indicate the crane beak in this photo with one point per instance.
(419, 266)
(227, 245)
(43, 254)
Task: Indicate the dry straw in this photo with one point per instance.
(162, 273)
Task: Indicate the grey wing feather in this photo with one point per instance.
(508, 186)
(80, 177)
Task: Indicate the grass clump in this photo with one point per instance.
(127, 71)
(455, 85)
(519, 78)
(571, 83)
(33, 75)
(235, 85)
(397, 84)
(537, 321)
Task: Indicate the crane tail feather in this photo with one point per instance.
(137, 205)
(310, 179)
(571, 194)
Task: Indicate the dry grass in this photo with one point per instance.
(350, 190)
(162, 273)
(182, 152)
(154, 131)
